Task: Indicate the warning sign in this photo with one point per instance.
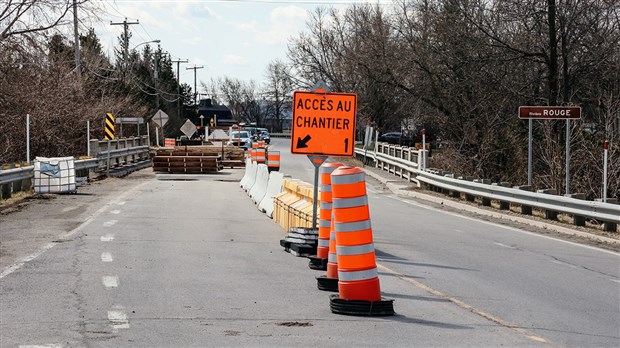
(323, 123)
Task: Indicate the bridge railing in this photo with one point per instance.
(407, 163)
(105, 156)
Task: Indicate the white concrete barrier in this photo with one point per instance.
(251, 178)
(246, 176)
(274, 187)
(260, 186)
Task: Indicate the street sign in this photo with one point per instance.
(323, 123)
(161, 118)
(188, 128)
(129, 120)
(109, 126)
(550, 112)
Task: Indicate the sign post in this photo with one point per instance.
(605, 149)
(549, 113)
(323, 125)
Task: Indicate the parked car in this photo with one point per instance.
(242, 139)
(264, 135)
(397, 138)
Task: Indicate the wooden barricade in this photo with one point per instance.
(200, 159)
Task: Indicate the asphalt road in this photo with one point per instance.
(187, 260)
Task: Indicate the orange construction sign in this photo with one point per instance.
(323, 123)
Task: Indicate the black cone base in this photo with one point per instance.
(317, 263)
(327, 284)
(384, 307)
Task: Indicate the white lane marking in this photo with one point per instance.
(52, 345)
(115, 211)
(106, 257)
(505, 227)
(370, 190)
(121, 203)
(504, 245)
(18, 264)
(107, 238)
(110, 223)
(459, 231)
(615, 280)
(68, 209)
(110, 281)
(118, 318)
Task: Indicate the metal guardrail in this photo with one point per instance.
(123, 153)
(607, 212)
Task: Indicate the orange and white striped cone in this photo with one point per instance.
(329, 282)
(319, 261)
(358, 279)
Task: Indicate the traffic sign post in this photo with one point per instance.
(605, 149)
(549, 113)
(323, 125)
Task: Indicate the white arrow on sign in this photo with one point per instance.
(161, 118)
(188, 128)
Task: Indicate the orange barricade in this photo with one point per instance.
(253, 153)
(260, 155)
(357, 269)
(273, 160)
(169, 142)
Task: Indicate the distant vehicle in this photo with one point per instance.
(254, 134)
(242, 139)
(264, 135)
(397, 138)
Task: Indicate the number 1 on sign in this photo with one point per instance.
(346, 145)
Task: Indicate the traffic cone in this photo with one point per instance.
(358, 279)
(319, 261)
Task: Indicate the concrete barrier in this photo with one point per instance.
(246, 176)
(251, 178)
(274, 188)
(260, 186)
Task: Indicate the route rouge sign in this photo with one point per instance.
(550, 112)
(323, 123)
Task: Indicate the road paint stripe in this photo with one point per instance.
(53, 345)
(459, 231)
(106, 257)
(118, 318)
(504, 227)
(110, 223)
(121, 203)
(464, 305)
(615, 280)
(107, 238)
(504, 245)
(110, 281)
(115, 211)
(67, 209)
(18, 264)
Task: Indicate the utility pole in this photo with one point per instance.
(179, 61)
(125, 25)
(195, 89)
(76, 44)
(157, 74)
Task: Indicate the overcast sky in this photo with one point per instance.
(229, 38)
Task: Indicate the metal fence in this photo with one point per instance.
(407, 163)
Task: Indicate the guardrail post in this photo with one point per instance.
(503, 205)
(577, 220)
(484, 201)
(609, 226)
(525, 209)
(6, 191)
(550, 214)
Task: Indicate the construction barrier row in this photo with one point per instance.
(345, 243)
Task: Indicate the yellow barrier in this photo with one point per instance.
(293, 207)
